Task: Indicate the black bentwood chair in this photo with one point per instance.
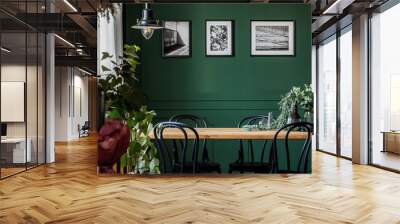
(173, 157)
(178, 156)
(303, 162)
(192, 120)
(250, 165)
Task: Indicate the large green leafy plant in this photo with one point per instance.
(124, 100)
(141, 156)
(300, 96)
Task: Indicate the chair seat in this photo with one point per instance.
(209, 167)
(204, 167)
(256, 167)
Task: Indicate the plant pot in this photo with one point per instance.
(294, 115)
(113, 141)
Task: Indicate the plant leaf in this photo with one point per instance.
(106, 55)
(105, 69)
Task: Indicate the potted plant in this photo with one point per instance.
(297, 98)
(124, 100)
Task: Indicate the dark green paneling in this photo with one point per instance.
(221, 89)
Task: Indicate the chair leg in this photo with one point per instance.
(219, 170)
(230, 170)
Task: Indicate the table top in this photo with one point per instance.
(13, 140)
(230, 133)
(391, 132)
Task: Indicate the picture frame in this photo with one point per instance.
(176, 39)
(272, 38)
(219, 38)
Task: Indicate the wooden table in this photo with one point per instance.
(230, 134)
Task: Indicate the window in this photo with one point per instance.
(346, 92)
(327, 95)
(385, 89)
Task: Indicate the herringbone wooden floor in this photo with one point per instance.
(71, 192)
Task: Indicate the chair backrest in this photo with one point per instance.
(86, 125)
(251, 120)
(174, 153)
(189, 119)
(196, 122)
(305, 150)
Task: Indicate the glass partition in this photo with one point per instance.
(15, 151)
(22, 77)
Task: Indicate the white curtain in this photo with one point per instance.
(109, 36)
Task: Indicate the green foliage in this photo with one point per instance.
(302, 97)
(125, 100)
(120, 87)
(142, 153)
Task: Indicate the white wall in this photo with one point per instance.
(61, 103)
(81, 109)
(71, 102)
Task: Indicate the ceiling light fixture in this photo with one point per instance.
(79, 51)
(64, 40)
(70, 5)
(147, 24)
(5, 50)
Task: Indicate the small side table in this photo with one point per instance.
(391, 141)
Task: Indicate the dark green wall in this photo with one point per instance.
(221, 89)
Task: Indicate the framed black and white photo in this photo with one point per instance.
(176, 39)
(219, 38)
(272, 38)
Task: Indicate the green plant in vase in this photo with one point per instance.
(124, 100)
(296, 98)
(307, 103)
